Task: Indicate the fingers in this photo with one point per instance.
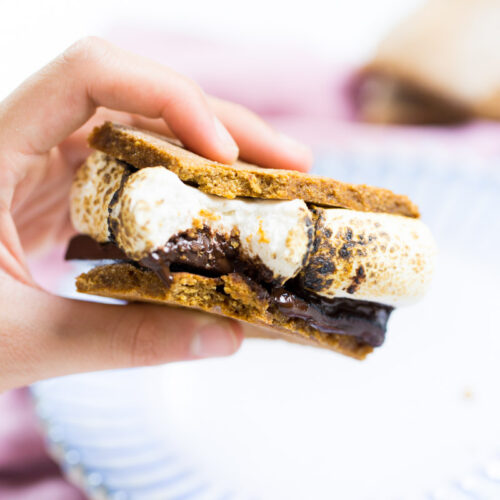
(258, 142)
(92, 73)
(61, 97)
(75, 148)
(44, 336)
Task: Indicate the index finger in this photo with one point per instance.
(61, 97)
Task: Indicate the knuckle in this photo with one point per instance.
(184, 90)
(237, 108)
(86, 50)
(144, 343)
(234, 109)
(191, 87)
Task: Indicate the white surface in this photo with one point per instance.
(304, 424)
(32, 32)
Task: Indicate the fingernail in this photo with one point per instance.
(225, 138)
(213, 339)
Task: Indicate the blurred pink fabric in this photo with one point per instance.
(296, 90)
(298, 93)
(26, 471)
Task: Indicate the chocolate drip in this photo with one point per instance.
(197, 250)
(212, 254)
(364, 320)
(83, 247)
(201, 252)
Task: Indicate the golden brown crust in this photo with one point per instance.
(229, 295)
(143, 149)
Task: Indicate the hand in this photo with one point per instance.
(43, 126)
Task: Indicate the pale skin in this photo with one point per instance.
(43, 126)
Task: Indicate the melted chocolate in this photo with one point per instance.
(416, 104)
(129, 170)
(212, 254)
(204, 253)
(364, 320)
(198, 250)
(83, 247)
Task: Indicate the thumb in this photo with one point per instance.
(45, 336)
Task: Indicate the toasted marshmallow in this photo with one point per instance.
(370, 256)
(95, 183)
(155, 205)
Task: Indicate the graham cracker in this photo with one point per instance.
(144, 149)
(229, 296)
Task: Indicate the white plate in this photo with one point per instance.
(420, 418)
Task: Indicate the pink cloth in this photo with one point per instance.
(297, 91)
(26, 471)
(291, 88)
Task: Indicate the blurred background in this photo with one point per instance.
(292, 62)
(413, 109)
(32, 33)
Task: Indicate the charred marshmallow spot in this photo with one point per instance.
(95, 183)
(375, 257)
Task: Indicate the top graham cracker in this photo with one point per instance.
(144, 149)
